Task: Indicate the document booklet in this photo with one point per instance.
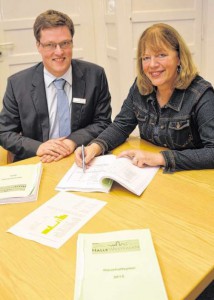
(19, 183)
(120, 265)
(103, 171)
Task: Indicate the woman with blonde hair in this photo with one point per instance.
(171, 104)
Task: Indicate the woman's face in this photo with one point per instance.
(161, 67)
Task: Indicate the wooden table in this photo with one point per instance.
(178, 208)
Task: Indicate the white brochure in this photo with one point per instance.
(103, 171)
(19, 183)
(118, 265)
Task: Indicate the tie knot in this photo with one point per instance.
(59, 83)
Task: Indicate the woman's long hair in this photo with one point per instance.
(156, 38)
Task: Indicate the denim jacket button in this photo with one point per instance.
(162, 127)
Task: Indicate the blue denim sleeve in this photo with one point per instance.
(123, 124)
(195, 159)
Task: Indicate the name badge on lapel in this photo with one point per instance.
(79, 100)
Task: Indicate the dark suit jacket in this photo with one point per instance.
(24, 120)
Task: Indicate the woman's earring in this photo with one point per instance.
(179, 69)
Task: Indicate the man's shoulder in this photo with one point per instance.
(86, 65)
(26, 73)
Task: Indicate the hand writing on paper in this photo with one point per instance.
(90, 152)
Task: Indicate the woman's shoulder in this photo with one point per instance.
(200, 89)
(200, 84)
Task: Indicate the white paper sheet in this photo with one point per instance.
(53, 223)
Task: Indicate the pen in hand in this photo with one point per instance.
(83, 158)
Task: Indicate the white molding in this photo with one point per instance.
(27, 23)
(163, 15)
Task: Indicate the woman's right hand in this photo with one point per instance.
(90, 152)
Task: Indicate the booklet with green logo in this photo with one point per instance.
(120, 265)
(19, 183)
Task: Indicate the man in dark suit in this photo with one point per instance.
(29, 123)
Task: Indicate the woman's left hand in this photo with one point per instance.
(143, 158)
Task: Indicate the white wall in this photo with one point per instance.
(208, 40)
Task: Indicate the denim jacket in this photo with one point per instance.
(185, 125)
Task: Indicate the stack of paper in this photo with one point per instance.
(119, 265)
(19, 183)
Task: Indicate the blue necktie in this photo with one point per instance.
(63, 111)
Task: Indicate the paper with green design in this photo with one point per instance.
(120, 265)
(19, 183)
(54, 222)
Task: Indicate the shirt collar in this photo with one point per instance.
(175, 101)
(49, 78)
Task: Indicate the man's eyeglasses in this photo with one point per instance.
(52, 46)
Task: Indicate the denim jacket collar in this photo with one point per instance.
(175, 102)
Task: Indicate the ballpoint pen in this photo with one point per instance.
(83, 158)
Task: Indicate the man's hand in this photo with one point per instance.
(55, 149)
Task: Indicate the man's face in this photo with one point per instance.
(56, 60)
